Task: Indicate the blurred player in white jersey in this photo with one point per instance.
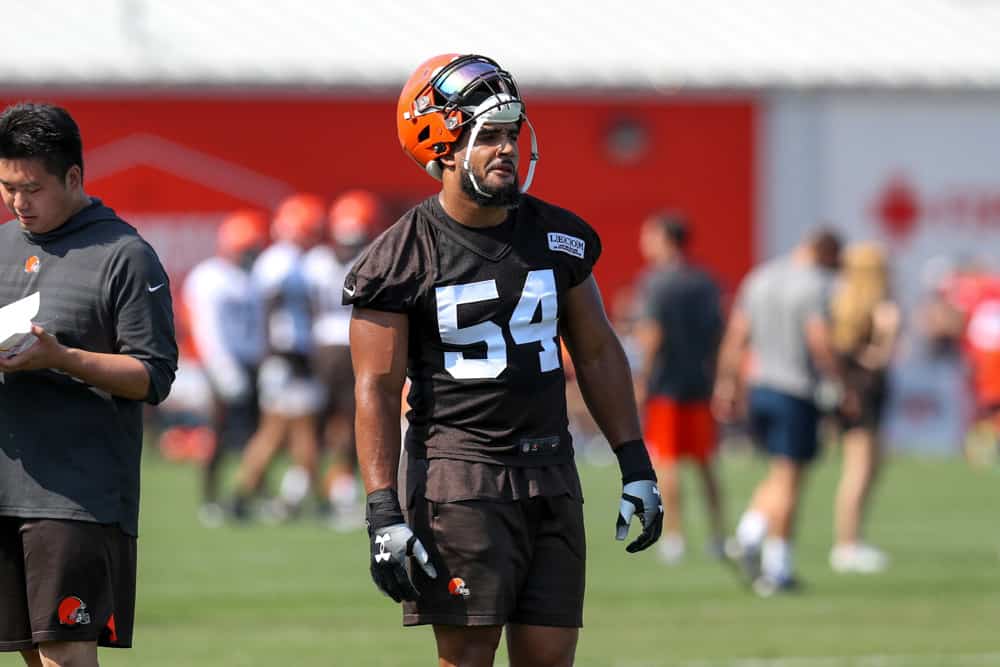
(290, 396)
(226, 320)
(355, 218)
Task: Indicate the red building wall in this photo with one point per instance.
(174, 162)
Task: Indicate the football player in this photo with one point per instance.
(469, 295)
(290, 395)
(355, 218)
(225, 316)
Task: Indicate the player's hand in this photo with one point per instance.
(391, 547)
(392, 544)
(728, 403)
(642, 499)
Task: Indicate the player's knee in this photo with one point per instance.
(547, 656)
(542, 647)
(68, 654)
(467, 645)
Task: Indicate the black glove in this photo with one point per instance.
(640, 496)
(392, 542)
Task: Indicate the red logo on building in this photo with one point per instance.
(900, 209)
(897, 208)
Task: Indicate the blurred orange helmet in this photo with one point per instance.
(241, 231)
(446, 94)
(355, 218)
(299, 219)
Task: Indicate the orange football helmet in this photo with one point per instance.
(355, 218)
(241, 231)
(446, 94)
(299, 218)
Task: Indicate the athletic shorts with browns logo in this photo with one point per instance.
(499, 560)
(65, 581)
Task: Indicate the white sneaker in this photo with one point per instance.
(671, 548)
(746, 559)
(859, 557)
(211, 515)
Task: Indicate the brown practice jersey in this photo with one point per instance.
(487, 382)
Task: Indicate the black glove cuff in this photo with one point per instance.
(633, 460)
(382, 509)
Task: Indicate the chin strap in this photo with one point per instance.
(499, 108)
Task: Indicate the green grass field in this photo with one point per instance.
(300, 594)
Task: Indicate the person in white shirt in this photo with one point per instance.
(224, 312)
(355, 218)
(290, 396)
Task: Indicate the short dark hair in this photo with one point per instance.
(826, 245)
(673, 225)
(44, 132)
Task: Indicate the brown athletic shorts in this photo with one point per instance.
(65, 581)
(498, 560)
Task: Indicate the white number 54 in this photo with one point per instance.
(539, 290)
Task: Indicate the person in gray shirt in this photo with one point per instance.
(71, 403)
(778, 339)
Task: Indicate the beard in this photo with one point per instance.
(504, 196)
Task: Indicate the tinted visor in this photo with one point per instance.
(469, 80)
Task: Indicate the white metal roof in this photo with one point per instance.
(574, 44)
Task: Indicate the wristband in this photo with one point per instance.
(633, 460)
(382, 509)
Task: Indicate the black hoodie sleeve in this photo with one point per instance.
(143, 311)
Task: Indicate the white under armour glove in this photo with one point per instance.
(640, 496)
(640, 499)
(392, 543)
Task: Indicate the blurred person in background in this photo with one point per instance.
(865, 329)
(939, 320)
(679, 329)
(467, 294)
(225, 316)
(291, 396)
(355, 218)
(781, 319)
(101, 345)
(973, 292)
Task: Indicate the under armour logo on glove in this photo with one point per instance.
(640, 498)
(383, 554)
(392, 544)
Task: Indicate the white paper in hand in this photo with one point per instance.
(15, 325)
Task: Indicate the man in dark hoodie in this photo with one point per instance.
(71, 403)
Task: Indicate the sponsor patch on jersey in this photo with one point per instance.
(32, 264)
(570, 245)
